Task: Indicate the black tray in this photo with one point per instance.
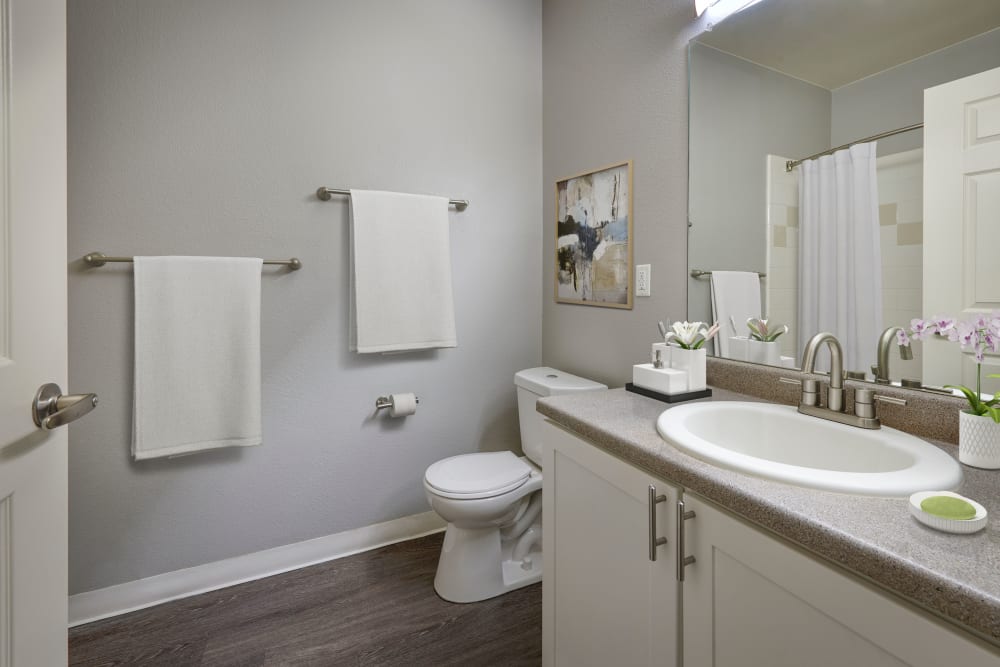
(668, 398)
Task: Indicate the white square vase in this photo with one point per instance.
(738, 349)
(978, 440)
(760, 352)
(693, 363)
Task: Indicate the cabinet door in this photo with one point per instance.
(752, 600)
(604, 601)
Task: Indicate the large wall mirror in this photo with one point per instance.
(784, 80)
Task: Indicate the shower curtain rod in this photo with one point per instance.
(792, 164)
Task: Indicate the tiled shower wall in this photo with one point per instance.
(901, 220)
(900, 185)
(781, 284)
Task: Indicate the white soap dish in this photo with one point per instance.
(960, 526)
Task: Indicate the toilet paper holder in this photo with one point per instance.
(383, 402)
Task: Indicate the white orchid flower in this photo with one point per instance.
(690, 335)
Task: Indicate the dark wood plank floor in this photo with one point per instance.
(375, 608)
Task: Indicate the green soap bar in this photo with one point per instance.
(948, 508)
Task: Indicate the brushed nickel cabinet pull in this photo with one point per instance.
(682, 560)
(654, 541)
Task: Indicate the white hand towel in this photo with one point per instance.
(197, 354)
(736, 295)
(401, 296)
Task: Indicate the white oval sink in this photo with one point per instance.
(779, 443)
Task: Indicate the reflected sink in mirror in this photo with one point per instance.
(778, 443)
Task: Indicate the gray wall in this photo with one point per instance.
(740, 112)
(204, 127)
(616, 89)
(895, 98)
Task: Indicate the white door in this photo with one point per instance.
(33, 573)
(961, 217)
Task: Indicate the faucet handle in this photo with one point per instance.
(890, 399)
(864, 402)
(810, 390)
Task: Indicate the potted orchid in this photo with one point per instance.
(691, 335)
(760, 330)
(688, 354)
(979, 426)
(762, 346)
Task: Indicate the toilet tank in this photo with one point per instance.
(533, 384)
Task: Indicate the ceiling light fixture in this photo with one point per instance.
(717, 10)
(701, 5)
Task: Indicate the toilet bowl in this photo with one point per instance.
(492, 502)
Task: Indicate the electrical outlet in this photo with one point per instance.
(642, 277)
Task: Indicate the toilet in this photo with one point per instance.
(492, 502)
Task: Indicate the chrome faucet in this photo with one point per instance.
(864, 399)
(881, 368)
(835, 400)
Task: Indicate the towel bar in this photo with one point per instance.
(100, 259)
(698, 273)
(326, 193)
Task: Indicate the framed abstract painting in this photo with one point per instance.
(594, 237)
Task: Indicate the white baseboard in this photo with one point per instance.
(132, 595)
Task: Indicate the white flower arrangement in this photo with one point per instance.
(691, 335)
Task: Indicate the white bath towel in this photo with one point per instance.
(736, 295)
(401, 296)
(197, 355)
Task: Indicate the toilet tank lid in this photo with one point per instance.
(546, 381)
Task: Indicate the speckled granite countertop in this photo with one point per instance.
(955, 576)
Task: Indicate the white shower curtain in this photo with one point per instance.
(840, 258)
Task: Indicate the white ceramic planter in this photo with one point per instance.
(738, 348)
(978, 440)
(760, 352)
(693, 363)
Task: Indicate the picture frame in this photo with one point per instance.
(593, 228)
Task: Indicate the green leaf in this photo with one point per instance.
(994, 413)
(974, 401)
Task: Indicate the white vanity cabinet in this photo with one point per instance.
(749, 599)
(752, 599)
(605, 602)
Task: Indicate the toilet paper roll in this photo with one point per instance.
(402, 405)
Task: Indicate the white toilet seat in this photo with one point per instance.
(477, 476)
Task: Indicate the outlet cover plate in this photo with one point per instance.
(642, 280)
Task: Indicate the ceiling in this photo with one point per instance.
(797, 37)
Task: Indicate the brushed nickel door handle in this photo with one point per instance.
(654, 541)
(51, 409)
(682, 560)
